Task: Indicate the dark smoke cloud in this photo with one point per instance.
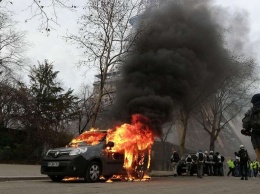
(180, 55)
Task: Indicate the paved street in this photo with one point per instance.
(32, 172)
(24, 179)
(163, 185)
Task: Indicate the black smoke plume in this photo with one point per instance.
(179, 56)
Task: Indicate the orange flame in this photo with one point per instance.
(133, 140)
(90, 138)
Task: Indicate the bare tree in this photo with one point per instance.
(226, 102)
(12, 46)
(46, 12)
(168, 128)
(183, 125)
(104, 31)
(85, 107)
(11, 104)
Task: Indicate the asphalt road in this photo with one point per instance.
(161, 185)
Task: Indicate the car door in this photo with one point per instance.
(112, 162)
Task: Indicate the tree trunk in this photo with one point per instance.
(185, 118)
(96, 108)
(164, 156)
(212, 143)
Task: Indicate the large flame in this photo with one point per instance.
(92, 138)
(133, 140)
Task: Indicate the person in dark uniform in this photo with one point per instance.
(251, 124)
(244, 159)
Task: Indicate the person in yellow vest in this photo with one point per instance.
(255, 167)
(251, 169)
(231, 167)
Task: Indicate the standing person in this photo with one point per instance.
(210, 163)
(255, 167)
(217, 161)
(174, 160)
(200, 163)
(206, 168)
(189, 162)
(231, 167)
(237, 165)
(244, 159)
(219, 166)
(251, 170)
(251, 124)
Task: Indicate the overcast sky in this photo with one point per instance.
(65, 57)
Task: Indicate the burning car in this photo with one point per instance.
(101, 153)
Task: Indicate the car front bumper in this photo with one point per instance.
(71, 166)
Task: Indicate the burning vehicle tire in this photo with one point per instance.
(140, 165)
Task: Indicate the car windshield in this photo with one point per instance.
(87, 138)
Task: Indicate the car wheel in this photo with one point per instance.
(93, 172)
(55, 178)
(142, 165)
(140, 174)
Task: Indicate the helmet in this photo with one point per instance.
(242, 146)
(206, 152)
(255, 98)
(211, 152)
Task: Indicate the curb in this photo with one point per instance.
(17, 178)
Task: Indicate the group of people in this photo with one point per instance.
(212, 163)
(209, 163)
(243, 166)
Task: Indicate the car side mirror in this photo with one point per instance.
(110, 144)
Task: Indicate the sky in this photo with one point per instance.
(65, 56)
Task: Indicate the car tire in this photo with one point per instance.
(140, 170)
(57, 178)
(93, 172)
(140, 173)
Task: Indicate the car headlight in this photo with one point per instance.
(78, 151)
(47, 152)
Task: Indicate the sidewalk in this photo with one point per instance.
(19, 171)
(10, 172)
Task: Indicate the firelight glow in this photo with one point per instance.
(134, 140)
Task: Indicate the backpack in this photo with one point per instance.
(189, 159)
(219, 158)
(243, 155)
(222, 158)
(200, 157)
(175, 157)
(252, 118)
(210, 157)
